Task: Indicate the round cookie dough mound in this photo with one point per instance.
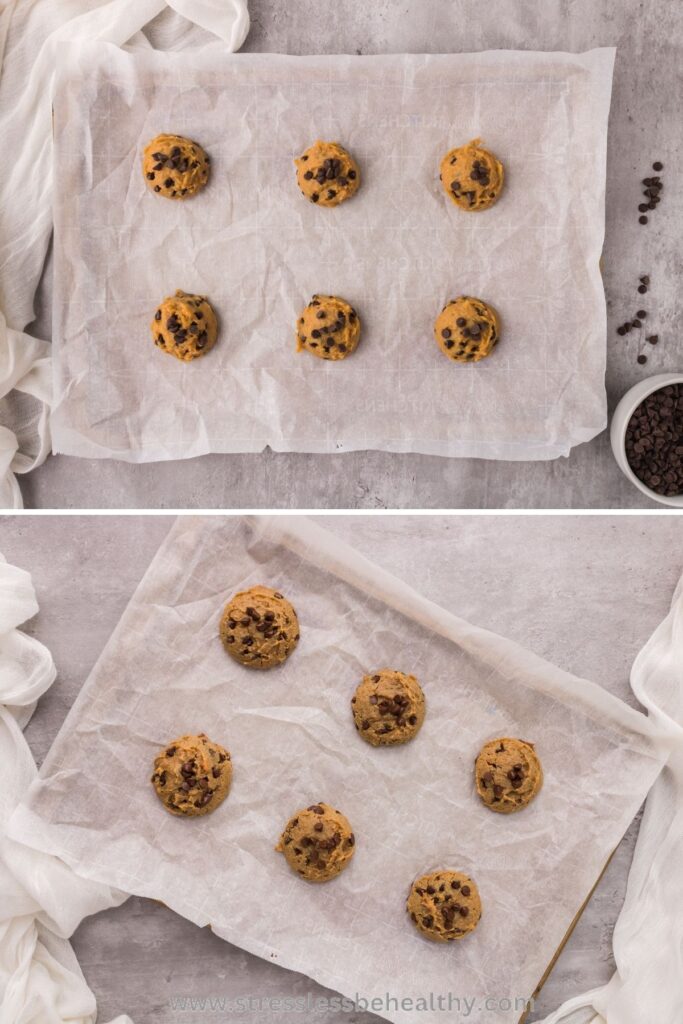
(259, 628)
(328, 328)
(185, 326)
(472, 176)
(444, 905)
(317, 843)
(508, 774)
(175, 167)
(467, 329)
(388, 707)
(192, 775)
(327, 174)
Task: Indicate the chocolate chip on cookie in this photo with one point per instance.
(467, 329)
(444, 905)
(508, 774)
(192, 775)
(327, 174)
(317, 842)
(472, 177)
(388, 707)
(259, 628)
(175, 167)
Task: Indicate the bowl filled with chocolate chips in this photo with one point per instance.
(647, 437)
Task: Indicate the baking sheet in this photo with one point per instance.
(398, 251)
(290, 733)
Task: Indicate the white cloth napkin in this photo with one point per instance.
(41, 900)
(30, 36)
(647, 985)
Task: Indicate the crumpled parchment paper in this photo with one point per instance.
(398, 251)
(164, 672)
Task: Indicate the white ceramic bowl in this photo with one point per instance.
(622, 414)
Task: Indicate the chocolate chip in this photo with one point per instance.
(641, 314)
(157, 188)
(642, 220)
(653, 338)
(642, 359)
(171, 751)
(446, 332)
(315, 197)
(657, 166)
(352, 175)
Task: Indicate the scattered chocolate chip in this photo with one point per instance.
(642, 359)
(641, 314)
(642, 220)
(657, 166)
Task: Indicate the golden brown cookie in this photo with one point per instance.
(259, 628)
(317, 843)
(328, 328)
(388, 707)
(444, 905)
(185, 326)
(508, 774)
(192, 775)
(467, 329)
(175, 167)
(472, 176)
(327, 174)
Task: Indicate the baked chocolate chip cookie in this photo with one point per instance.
(175, 167)
(317, 843)
(185, 326)
(388, 707)
(444, 905)
(192, 775)
(328, 328)
(508, 774)
(467, 329)
(259, 627)
(327, 174)
(472, 177)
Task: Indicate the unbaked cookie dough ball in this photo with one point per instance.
(259, 628)
(185, 326)
(175, 167)
(508, 774)
(328, 328)
(388, 707)
(472, 176)
(467, 329)
(444, 905)
(317, 843)
(327, 174)
(192, 775)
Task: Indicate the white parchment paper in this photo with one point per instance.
(398, 251)
(290, 732)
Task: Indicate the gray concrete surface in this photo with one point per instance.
(645, 125)
(584, 591)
